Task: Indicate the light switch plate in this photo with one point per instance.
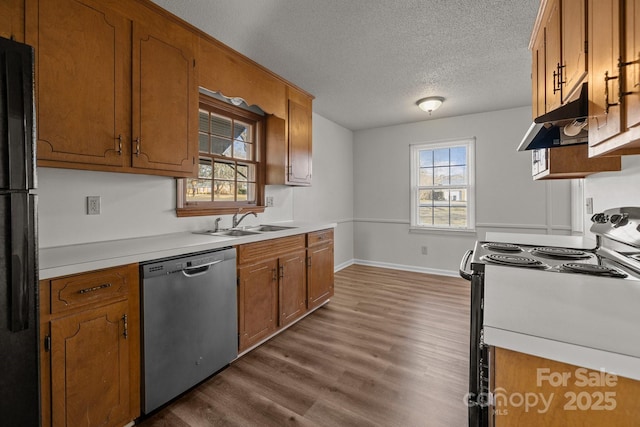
(269, 201)
(589, 205)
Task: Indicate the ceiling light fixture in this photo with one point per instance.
(430, 103)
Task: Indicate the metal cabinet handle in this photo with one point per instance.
(557, 84)
(125, 320)
(275, 276)
(282, 271)
(137, 146)
(607, 104)
(120, 144)
(95, 288)
(621, 83)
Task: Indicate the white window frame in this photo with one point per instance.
(469, 143)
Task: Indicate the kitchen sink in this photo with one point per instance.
(236, 233)
(249, 231)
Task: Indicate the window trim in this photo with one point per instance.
(184, 209)
(471, 185)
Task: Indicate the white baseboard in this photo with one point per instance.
(398, 267)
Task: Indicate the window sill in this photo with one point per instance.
(435, 230)
(201, 211)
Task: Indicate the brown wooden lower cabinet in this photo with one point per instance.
(292, 290)
(279, 280)
(257, 302)
(90, 348)
(537, 392)
(319, 267)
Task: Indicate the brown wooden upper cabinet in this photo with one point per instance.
(559, 67)
(12, 20)
(558, 45)
(299, 143)
(116, 87)
(614, 80)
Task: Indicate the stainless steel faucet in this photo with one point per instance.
(235, 221)
(216, 225)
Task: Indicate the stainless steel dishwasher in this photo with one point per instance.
(190, 328)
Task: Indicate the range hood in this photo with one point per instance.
(562, 126)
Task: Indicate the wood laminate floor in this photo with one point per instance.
(390, 349)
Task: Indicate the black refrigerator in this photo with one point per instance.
(19, 365)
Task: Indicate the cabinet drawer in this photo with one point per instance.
(319, 237)
(269, 248)
(68, 293)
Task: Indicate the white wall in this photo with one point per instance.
(614, 189)
(141, 205)
(507, 199)
(330, 198)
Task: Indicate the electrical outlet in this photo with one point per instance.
(589, 205)
(269, 201)
(424, 250)
(93, 205)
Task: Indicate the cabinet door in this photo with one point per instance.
(632, 77)
(299, 155)
(165, 96)
(82, 80)
(574, 55)
(292, 289)
(90, 367)
(320, 274)
(605, 119)
(552, 57)
(257, 302)
(12, 19)
(538, 82)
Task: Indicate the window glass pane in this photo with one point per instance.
(205, 170)
(220, 126)
(203, 139)
(426, 177)
(425, 197)
(198, 190)
(441, 197)
(441, 215)
(223, 191)
(425, 216)
(426, 158)
(242, 131)
(224, 171)
(242, 150)
(441, 176)
(203, 123)
(458, 156)
(220, 146)
(441, 157)
(458, 175)
(243, 171)
(458, 216)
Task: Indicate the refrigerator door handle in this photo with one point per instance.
(18, 99)
(22, 270)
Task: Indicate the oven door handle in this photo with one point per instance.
(463, 265)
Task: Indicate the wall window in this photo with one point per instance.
(442, 185)
(230, 168)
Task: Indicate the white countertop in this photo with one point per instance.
(72, 259)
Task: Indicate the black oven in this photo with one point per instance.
(477, 398)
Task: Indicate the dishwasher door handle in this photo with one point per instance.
(200, 269)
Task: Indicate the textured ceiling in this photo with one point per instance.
(367, 62)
